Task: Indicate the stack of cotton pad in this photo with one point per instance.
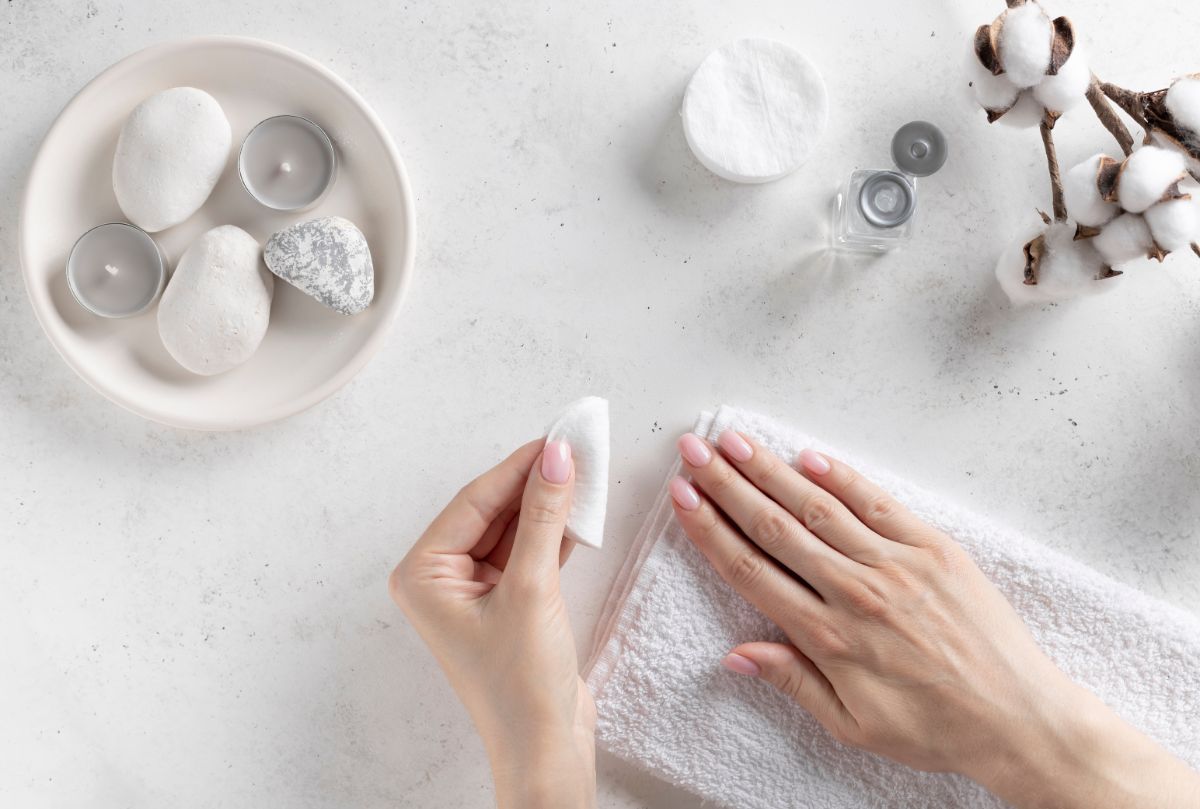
(753, 110)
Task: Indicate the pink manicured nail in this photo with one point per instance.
(556, 462)
(693, 450)
(683, 494)
(742, 665)
(814, 461)
(735, 446)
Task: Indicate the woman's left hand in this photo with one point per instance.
(481, 586)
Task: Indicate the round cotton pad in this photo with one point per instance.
(753, 110)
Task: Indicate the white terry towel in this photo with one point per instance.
(667, 705)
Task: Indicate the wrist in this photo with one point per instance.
(554, 770)
(1081, 754)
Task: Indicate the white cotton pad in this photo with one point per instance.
(1082, 195)
(1026, 37)
(170, 154)
(1146, 176)
(753, 110)
(584, 426)
(215, 310)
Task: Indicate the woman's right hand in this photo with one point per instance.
(899, 643)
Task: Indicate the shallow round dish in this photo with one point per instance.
(309, 351)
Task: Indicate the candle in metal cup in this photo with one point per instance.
(116, 270)
(287, 163)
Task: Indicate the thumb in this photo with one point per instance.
(789, 670)
(545, 506)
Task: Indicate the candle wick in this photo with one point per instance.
(111, 270)
(285, 167)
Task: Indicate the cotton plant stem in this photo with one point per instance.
(1108, 116)
(1056, 187)
(1129, 101)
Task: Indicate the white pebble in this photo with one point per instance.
(1175, 224)
(1126, 238)
(754, 110)
(1068, 268)
(1183, 102)
(215, 310)
(170, 154)
(1068, 87)
(1026, 36)
(1082, 195)
(1146, 176)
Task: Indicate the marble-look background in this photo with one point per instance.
(201, 620)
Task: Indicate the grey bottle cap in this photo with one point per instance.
(887, 199)
(919, 148)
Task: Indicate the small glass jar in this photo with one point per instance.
(873, 211)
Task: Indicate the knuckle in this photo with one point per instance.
(791, 681)
(850, 478)
(770, 530)
(829, 642)
(768, 470)
(865, 600)
(946, 555)
(720, 481)
(746, 570)
(881, 508)
(397, 584)
(545, 509)
(816, 512)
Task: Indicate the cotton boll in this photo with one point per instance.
(1183, 102)
(1124, 239)
(992, 92)
(1146, 176)
(1082, 195)
(1025, 41)
(1026, 113)
(1175, 224)
(1066, 88)
(1067, 268)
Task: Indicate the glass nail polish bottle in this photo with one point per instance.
(874, 209)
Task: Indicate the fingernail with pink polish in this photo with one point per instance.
(814, 461)
(556, 462)
(684, 494)
(735, 446)
(741, 665)
(693, 450)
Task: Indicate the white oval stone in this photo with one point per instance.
(327, 259)
(171, 152)
(215, 310)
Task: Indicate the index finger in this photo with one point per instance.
(461, 524)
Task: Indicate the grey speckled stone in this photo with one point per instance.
(327, 259)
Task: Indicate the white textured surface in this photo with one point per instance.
(584, 426)
(193, 618)
(215, 310)
(170, 154)
(665, 701)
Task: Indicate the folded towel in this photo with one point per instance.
(665, 703)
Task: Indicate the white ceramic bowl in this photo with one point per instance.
(309, 351)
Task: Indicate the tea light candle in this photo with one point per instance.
(116, 270)
(287, 163)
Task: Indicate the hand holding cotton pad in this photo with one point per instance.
(753, 110)
(584, 426)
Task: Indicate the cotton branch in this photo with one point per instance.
(1129, 101)
(1056, 187)
(1108, 116)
